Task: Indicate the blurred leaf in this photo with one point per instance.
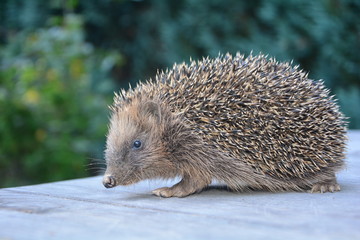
(51, 114)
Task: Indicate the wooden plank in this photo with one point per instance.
(83, 208)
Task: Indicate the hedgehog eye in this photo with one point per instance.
(137, 144)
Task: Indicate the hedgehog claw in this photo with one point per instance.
(183, 188)
(162, 192)
(174, 191)
(323, 187)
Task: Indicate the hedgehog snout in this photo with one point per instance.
(109, 181)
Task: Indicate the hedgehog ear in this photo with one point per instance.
(152, 108)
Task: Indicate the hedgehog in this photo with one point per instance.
(251, 123)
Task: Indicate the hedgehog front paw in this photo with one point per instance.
(174, 191)
(163, 192)
(322, 187)
(183, 188)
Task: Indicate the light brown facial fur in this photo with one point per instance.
(139, 122)
(168, 149)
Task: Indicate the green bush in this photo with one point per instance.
(321, 36)
(349, 99)
(53, 108)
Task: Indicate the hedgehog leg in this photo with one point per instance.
(330, 185)
(183, 188)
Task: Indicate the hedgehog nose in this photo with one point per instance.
(109, 181)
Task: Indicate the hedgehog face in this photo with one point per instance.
(134, 149)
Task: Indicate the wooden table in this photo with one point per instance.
(84, 209)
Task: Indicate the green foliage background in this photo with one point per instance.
(60, 60)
